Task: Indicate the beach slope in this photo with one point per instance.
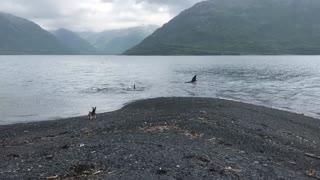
(166, 138)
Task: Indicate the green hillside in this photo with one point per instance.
(218, 27)
(74, 42)
(20, 36)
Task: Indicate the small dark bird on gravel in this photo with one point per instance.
(194, 79)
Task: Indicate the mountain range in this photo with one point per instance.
(212, 27)
(236, 27)
(20, 36)
(74, 42)
(117, 41)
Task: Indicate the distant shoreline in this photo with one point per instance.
(137, 100)
(196, 138)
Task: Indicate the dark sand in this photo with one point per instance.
(166, 138)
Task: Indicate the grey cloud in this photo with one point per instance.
(169, 2)
(26, 9)
(108, 1)
(175, 6)
(95, 15)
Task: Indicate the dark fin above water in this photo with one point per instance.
(194, 79)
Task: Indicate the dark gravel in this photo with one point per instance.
(166, 138)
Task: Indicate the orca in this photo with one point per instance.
(194, 79)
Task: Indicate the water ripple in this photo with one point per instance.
(38, 86)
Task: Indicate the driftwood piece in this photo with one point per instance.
(312, 155)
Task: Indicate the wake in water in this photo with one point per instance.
(107, 89)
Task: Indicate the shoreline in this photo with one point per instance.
(171, 138)
(309, 115)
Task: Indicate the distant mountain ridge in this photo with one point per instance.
(117, 41)
(74, 42)
(21, 36)
(226, 27)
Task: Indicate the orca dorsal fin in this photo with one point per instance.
(194, 79)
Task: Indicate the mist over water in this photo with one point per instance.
(34, 88)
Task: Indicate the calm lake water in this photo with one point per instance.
(34, 88)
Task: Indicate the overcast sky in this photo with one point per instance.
(95, 15)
